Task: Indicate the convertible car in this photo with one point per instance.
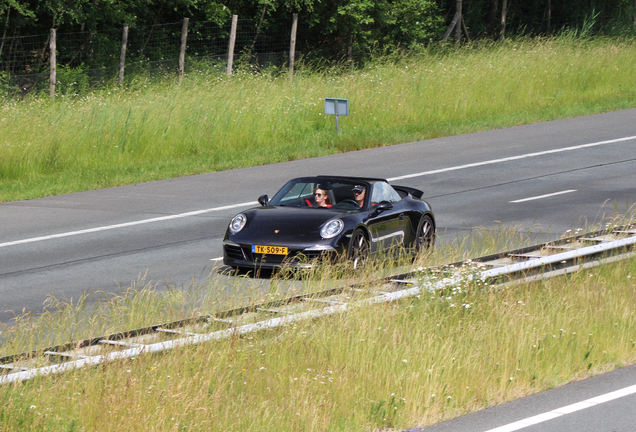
(312, 219)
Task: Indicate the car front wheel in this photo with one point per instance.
(358, 251)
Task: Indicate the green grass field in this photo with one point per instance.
(151, 131)
(385, 367)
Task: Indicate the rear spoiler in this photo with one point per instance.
(409, 190)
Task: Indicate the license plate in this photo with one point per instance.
(270, 250)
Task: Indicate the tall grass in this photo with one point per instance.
(389, 366)
(213, 122)
(145, 303)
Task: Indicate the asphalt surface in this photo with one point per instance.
(546, 179)
(178, 250)
(617, 415)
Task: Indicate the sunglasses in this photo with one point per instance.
(318, 194)
(357, 192)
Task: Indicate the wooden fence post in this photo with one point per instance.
(451, 27)
(504, 12)
(292, 45)
(53, 75)
(184, 39)
(230, 51)
(458, 28)
(548, 17)
(457, 24)
(122, 55)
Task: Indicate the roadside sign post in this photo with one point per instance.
(337, 107)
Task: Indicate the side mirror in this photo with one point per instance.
(263, 200)
(382, 206)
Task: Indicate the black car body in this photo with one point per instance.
(290, 229)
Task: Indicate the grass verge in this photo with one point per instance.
(212, 122)
(385, 367)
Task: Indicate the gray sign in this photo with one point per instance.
(337, 107)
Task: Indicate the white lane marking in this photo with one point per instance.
(124, 225)
(530, 421)
(490, 162)
(508, 159)
(217, 259)
(544, 196)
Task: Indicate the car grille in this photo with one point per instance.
(292, 258)
(244, 253)
(234, 252)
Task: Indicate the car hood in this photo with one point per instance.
(287, 221)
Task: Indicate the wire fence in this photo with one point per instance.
(88, 59)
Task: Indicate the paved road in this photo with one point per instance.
(604, 403)
(104, 239)
(545, 178)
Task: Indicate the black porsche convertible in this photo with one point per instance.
(311, 219)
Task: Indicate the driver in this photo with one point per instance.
(359, 193)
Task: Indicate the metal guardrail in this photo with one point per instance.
(545, 260)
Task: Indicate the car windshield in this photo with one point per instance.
(319, 193)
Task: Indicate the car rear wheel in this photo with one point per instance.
(358, 251)
(425, 236)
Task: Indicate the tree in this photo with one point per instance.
(6, 6)
(355, 28)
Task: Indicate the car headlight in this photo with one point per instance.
(237, 223)
(331, 229)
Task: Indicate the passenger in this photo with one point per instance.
(322, 198)
(359, 194)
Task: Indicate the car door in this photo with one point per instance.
(387, 222)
